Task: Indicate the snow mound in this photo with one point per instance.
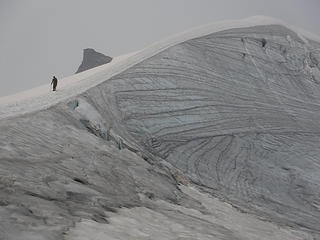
(42, 98)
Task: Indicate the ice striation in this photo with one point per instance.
(213, 137)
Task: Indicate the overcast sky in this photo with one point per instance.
(42, 38)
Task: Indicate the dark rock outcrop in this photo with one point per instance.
(92, 59)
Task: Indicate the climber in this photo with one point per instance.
(264, 42)
(54, 83)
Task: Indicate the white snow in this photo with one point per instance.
(88, 112)
(42, 97)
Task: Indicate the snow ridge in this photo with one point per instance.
(42, 98)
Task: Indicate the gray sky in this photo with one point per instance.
(42, 38)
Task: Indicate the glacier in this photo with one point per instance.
(210, 134)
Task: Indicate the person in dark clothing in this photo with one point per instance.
(54, 83)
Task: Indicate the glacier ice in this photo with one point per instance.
(232, 113)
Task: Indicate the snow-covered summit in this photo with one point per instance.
(40, 97)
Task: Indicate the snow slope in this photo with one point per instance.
(236, 111)
(211, 134)
(41, 98)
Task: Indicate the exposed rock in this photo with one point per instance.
(92, 59)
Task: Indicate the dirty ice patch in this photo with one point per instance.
(166, 221)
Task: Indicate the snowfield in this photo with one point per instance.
(210, 134)
(41, 97)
